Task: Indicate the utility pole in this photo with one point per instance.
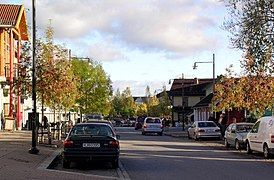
(183, 103)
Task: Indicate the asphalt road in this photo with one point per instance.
(165, 157)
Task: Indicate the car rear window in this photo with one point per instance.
(206, 124)
(244, 128)
(92, 129)
(151, 120)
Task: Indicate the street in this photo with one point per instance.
(166, 157)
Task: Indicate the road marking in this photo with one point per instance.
(199, 157)
(122, 173)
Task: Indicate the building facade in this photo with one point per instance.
(13, 31)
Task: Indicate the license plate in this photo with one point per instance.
(210, 130)
(93, 145)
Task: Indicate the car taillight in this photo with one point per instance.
(201, 130)
(145, 126)
(114, 144)
(272, 138)
(68, 143)
(217, 130)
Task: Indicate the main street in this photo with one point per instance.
(165, 157)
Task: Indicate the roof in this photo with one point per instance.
(14, 16)
(9, 14)
(191, 90)
(205, 102)
(177, 83)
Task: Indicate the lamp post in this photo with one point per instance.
(33, 149)
(213, 70)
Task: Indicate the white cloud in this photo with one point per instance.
(177, 27)
(106, 51)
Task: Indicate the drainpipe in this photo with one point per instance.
(11, 74)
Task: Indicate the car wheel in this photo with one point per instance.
(160, 134)
(188, 136)
(115, 164)
(196, 137)
(266, 151)
(226, 143)
(237, 145)
(66, 164)
(248, 149)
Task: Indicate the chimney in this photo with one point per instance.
(196, 81)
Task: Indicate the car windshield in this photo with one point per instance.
(92, 130)
(152, 120)
(244, 128)
(206, 124)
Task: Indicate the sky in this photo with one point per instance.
(141, 42)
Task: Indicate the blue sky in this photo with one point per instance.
(141, 42)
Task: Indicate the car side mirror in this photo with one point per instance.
(118, 136)
(233, 131)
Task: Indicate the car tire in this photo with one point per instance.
(160, 134)
(115, 164)
(248, 149)
(188, 136)
(237, 145)
(66, 164)
(196, 137)
(226, 143)
(266, 152)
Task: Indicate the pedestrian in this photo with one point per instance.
(2, 120)
(45, 122)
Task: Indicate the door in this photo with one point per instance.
(253, 137)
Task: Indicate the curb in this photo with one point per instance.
(49, 162)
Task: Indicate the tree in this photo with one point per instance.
(94, 89)
(56, 86)
(123, 105)
(164, 104)
(251, 24)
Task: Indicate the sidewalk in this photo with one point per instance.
(177, 132)
(17, 163)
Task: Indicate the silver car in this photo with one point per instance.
(235, 135)
(204, 129)
(152, 125)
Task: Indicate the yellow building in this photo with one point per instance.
(13, 30)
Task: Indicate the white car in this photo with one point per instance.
(152, 125)
(204, 129)
(261, 137)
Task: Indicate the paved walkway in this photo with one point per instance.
(17, 163)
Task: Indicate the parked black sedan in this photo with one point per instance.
(91, 141)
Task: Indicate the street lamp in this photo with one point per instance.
(213, 69)
(33, 149)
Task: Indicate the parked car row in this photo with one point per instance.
(258, 136)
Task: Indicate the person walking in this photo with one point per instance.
(2, 121)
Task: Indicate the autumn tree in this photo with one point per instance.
(251, 24)
(56, 86)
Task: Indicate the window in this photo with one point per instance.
(206, 124)
(151, 120)
(255, 127)
(92, 130)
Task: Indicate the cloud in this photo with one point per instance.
(137, 87)
(178, 27)
(106, 51)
